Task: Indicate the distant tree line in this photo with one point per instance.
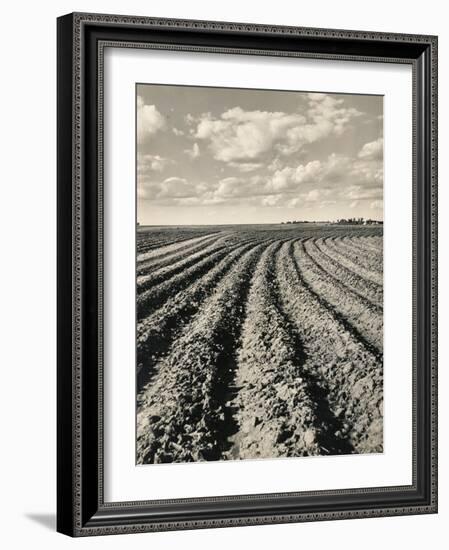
(296, 221)
(342, 221)
(359, 221)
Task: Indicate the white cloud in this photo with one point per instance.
(326, 115)
(337, 167)
(367, 172)
(239, 187)
(194, 152)
(228, 187)
(337, 180)
(372, 150)
(293, 203)
(377, 205)
(146, 189)
(239, 135)
(176, 187)
(149, 120)
(305, 199)
(313, 195)
(169, 189)
(275, 164)
(177, 132)
(151, 163)
(271, 200)
(291, 177)
(334, 168)
(190, 119)
(246, 166)
(358, 192)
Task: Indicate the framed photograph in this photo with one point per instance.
(247, 279)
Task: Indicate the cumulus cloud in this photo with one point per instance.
(149, 120)
(246, 166)
(194, 152)
(168, 189)
(233, 187)
(377, 205)
(313, 195)
(338, 177)
(271, 200)
(307, 199)
(176, 187)
(368, 173)
(273, 155)
(372, 150)
(326, 115)
(358, 192)
(334, 169)
(291, 177)
(229, 187)
(189, 119)
(239, 135)
(319, 182)
(147, 163)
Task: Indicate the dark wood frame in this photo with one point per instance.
(81, 509)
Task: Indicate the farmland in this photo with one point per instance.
(258, 341)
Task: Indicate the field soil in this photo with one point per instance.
(259, 341)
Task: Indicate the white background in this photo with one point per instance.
(27, 231)
(125, 482)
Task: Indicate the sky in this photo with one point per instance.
(227, 155)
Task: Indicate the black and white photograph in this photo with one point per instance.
(259, 281)
(247, 276)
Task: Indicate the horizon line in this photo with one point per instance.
(288, 222)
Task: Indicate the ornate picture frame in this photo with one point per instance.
(81, 507)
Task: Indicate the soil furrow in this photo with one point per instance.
(368, 260)
(165, 249)
(339, 316)
(156, 332)
(172, 257)
(366, 319)
(274, 408)
(164, 274)
(360, 244)
(155, 296)
(259, 342)
(328, 247)
(369, 293)
(351, 373)
(375, 242)
(179, 418)
(328, 424)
